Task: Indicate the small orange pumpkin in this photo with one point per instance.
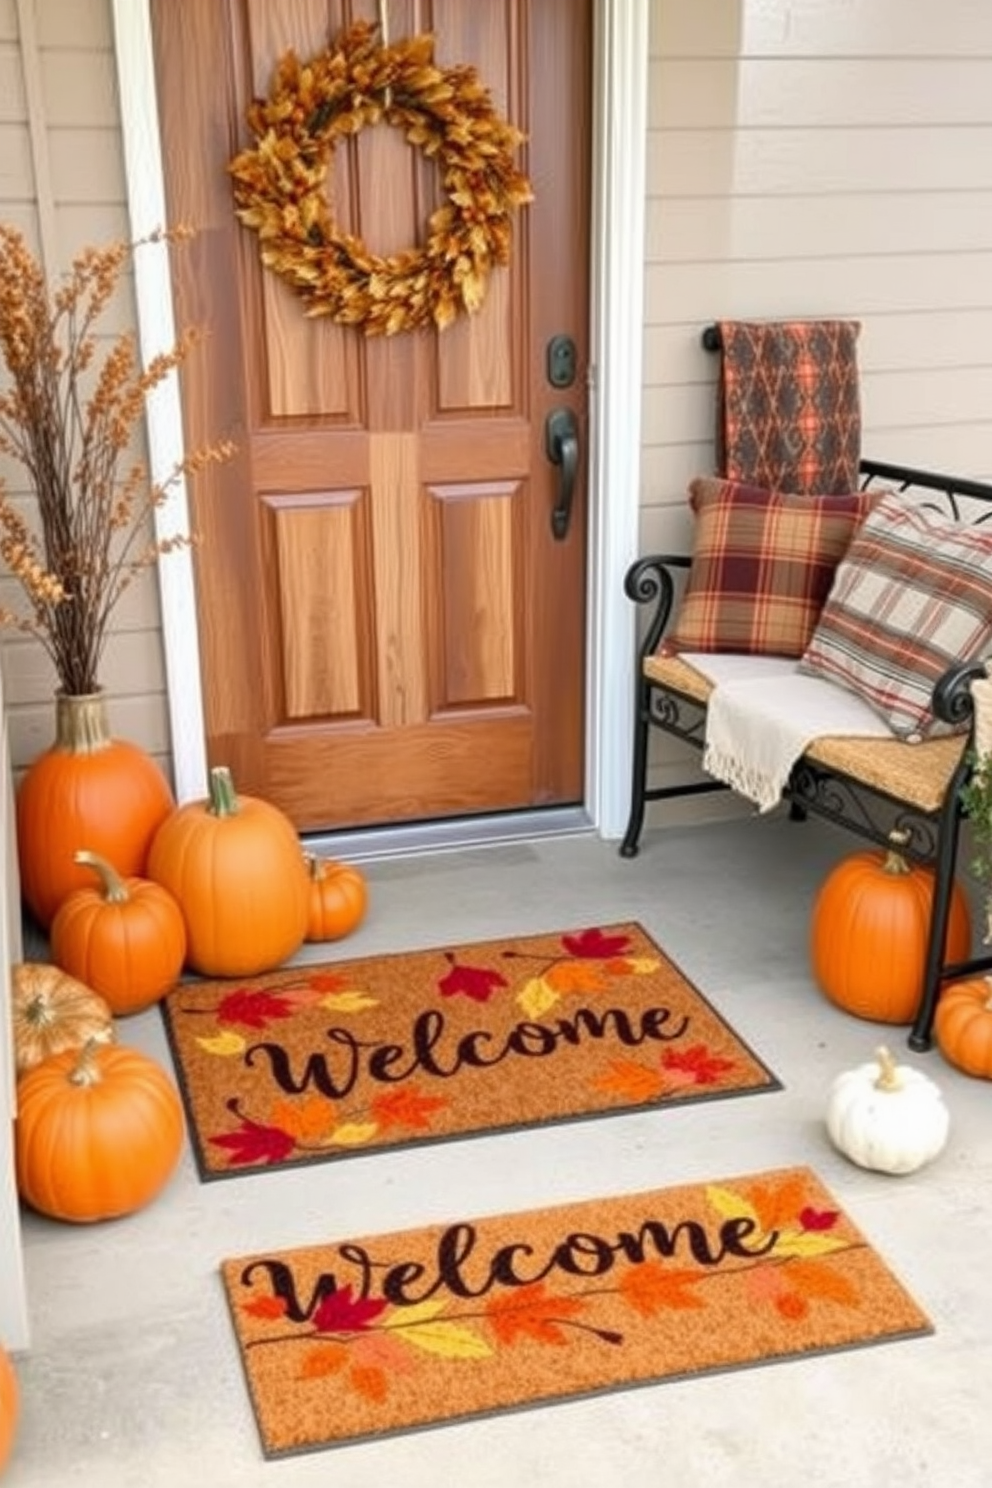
(125, 938)
(962, 1025)
(869, 933)
(99, 1131)
(10, 1408)
(233, 864)
(339, 897)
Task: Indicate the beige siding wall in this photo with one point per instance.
(810, 159)
(62, 184)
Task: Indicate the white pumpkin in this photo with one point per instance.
(886, 1116)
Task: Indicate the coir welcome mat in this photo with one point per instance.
(321, 1061)
(383, 1334)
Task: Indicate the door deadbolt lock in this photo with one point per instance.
(561, 361)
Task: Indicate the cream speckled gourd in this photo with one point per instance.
(886, 1117)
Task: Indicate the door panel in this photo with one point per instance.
(388, 629)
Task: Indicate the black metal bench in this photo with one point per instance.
(871, 787)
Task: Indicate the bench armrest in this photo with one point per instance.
(650, 581)
(952, 700)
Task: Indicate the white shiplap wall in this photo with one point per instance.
(819, 157)
(62, 184)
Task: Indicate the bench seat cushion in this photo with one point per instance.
(917, 774)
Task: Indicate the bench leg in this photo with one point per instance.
(629, 847)
(921, 1033)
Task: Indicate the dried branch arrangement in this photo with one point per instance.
(69, 411)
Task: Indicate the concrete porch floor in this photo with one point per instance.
(133, 1380)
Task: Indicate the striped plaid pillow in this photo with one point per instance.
(762, 565)
(912, 597)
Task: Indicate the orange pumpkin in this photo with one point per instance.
(87, 790)
(233, 864)
(962, 1025)
(98, 1133)
(869, 934)
(125, 938)
(339, 898)
(10, 1408)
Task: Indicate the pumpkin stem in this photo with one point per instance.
(86, 1071)
(315, 867)
(223, 797)
(113, 886)
(888, 1074)
(895, 863)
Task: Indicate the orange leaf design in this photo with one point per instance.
(650, 1287)
(817, 1279)
(618, 966)
(370, 1382)
(575, 976)
(322, 1360)
(317, 987)
(778, 1204)
(406, 1109)
(792, 1306)
(632, 1082)
(528, 1312)
(268, 1308)
(305, 1120)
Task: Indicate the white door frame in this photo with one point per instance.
(619, 137)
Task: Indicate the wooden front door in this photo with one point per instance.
(389, 629)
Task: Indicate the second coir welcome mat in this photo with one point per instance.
(322, 1061)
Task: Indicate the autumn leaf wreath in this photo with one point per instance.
(281, 187)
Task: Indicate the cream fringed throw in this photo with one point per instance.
(762, 714)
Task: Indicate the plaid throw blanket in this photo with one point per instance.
(789, 409)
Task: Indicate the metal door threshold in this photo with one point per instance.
(367, 843)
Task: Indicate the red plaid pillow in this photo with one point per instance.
(762, 565)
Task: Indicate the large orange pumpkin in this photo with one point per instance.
(339, 897)
(10, 1408)
(869, 934)
(87, 790)
(962, 1025)
(98, 1133)
(125, 938)
(234, 865)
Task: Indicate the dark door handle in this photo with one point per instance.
(561, 440)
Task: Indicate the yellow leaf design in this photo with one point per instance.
(448, 1340)
(347, 1002)
(642, 965)
(227, 1044)
(730, 1205)
(354, 1133)
(537, 997)
(411, 1317)
(807, 1243)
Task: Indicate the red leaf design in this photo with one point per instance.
(253, 1009)
(594, 944)
(252, 1143)
(340, 1312)
(406, 1109)
(703, 1067)
(818, 1219)
(476, 982)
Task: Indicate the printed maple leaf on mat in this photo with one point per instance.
(674, 1072)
